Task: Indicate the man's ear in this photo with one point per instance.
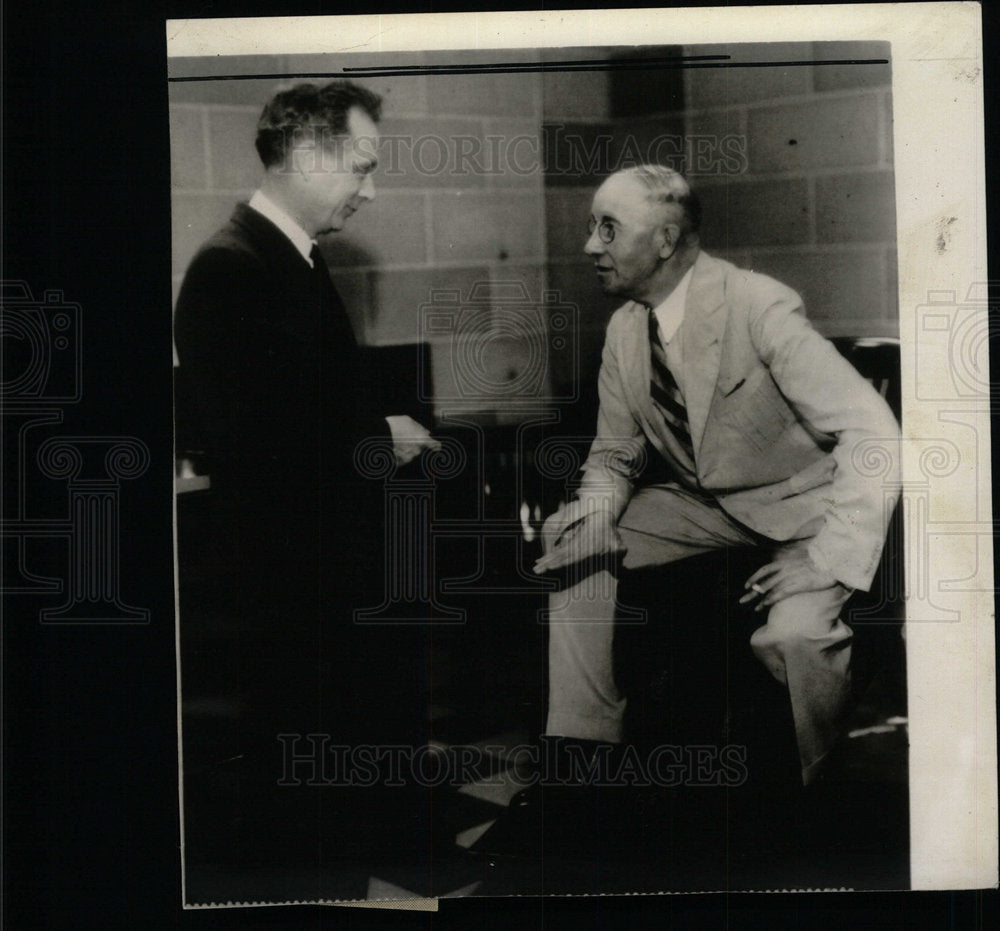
(671, 239)
(307, 156)
(301, 160)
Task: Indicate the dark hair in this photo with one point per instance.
(667, 186)
(308, 107)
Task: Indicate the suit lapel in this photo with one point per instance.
(705, 318)
(311, 303)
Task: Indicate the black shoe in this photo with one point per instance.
(576, 809)
(518, 831)
(580, 823)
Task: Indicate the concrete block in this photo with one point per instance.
(490, 226)
(235, 164)
(490, 371)
(195, 217)
(188, 165)
(431, 153)
(577, 285)
(580, 153)
(516, 94)
(576, 95)
(887, 123)
(530, 280)
(639, 90)
(843, 77)
(823, 133)
(738, 212)
(586, 153)
(402, 94)
(397, 298)
(659, 139)
(715, 143)
(234, 91)
(835, 286)
(710, 86)
(567, 210)
(481, 93)
(512, 153)
(390, 230)
(857, 207)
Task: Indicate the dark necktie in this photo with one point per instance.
(666, 394)
(320, 272)
(337, 315)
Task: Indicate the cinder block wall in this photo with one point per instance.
(458, 203)
(809, 200)
(594, 123)
(815, 206)
(793, 163)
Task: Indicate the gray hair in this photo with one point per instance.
(667, 186)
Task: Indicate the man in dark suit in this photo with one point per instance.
(758, 429)
(280, 406)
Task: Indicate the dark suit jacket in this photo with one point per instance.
(280, 403)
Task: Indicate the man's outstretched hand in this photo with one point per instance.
(577, 535)
(791, 572)
(409, 438)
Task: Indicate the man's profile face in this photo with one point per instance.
(337, 181)
(622, 208)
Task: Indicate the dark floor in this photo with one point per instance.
(485, 694)
(481, 684)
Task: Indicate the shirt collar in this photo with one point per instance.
(670, 311)
(267, 208)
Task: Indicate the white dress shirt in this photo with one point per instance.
(298, 236)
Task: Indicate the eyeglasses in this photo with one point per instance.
(605, 230)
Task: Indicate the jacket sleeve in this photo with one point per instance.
(218, 351)
(830, 394)
(256, 412)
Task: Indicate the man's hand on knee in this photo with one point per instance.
(573, 535)
(791, 572)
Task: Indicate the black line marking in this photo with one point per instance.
(637, 65)
(549, 65)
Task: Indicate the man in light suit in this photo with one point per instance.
(715, 373)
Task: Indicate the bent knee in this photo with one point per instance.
(799, 624)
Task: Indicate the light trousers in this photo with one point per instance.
(803, 643)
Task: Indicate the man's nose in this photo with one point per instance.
(367, 188)
(594, 246)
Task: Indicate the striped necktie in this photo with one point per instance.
(666, 394)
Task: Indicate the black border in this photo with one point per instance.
(90, 810)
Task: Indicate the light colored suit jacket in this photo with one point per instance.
(776, 417)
